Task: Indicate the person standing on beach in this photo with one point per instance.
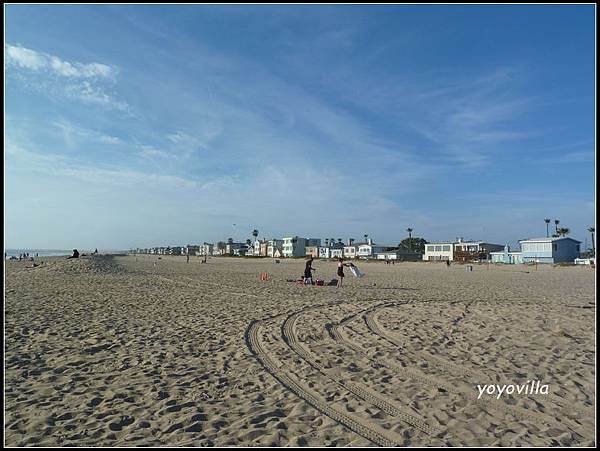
(308, 271)
(187, 258)
(340, 271)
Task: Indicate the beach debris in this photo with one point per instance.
(264, 276)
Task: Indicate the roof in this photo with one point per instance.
(547, 239)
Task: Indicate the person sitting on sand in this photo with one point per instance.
(308, 271)
(75, 254)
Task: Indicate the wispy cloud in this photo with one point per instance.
(33, 60)
(108, 174)
(84, 82)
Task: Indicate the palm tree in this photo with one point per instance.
(547, 221)
(592, 230)
(326, 242)
(366, 235)
(255, 233)
(563, 231)
(409, 230)
(556, 234)
(339, 240)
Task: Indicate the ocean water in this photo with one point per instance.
(58, 252)
(41, 252)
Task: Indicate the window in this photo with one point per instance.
(438, 248)
(446, 248)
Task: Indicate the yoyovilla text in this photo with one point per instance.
(529, 388)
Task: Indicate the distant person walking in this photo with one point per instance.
(187, 258)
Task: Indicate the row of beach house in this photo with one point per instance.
(533, 250)
(539, 250)
(289, 247)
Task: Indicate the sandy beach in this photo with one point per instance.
(125, 351)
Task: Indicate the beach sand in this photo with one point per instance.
(109, 351)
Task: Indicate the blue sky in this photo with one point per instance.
(144, 125)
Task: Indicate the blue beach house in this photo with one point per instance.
(550, 250)
(506, 256)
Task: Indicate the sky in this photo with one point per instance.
(145, 125)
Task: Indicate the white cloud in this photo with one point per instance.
(57, 78)
(25, 58)
(150, 151)
(88, 93)
(110, 139)
(113, 175)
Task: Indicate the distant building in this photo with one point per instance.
(206, 249)
(404, 255)
(274, 248)
(324, 252)
(312, 251)
(296, 246)
(439, 251)
(242, 250)
(192, 249)
(234, 248)
(507, 257)
(260, 248)
(460, 250)
(337, 253)
(474, 250)
(550, 250)
(370, 249)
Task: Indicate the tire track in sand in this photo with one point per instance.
(289, 335)
(372, 432)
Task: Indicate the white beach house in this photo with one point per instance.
(460, 250)
(369, 249)
(295, 246)
(274, 248)
(439, 251)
